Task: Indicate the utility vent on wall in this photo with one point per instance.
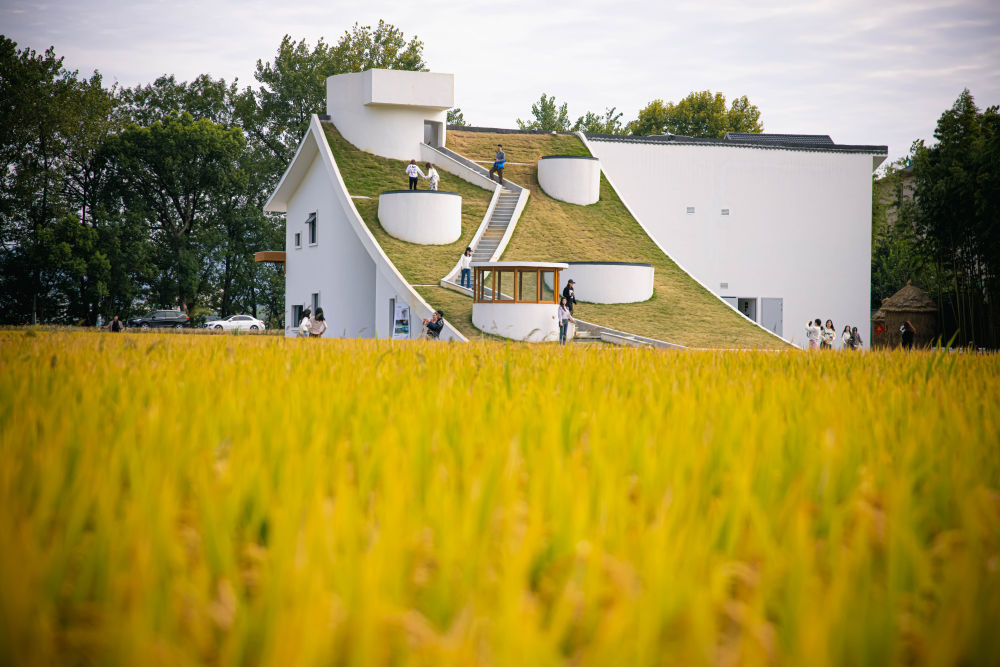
(690, 210)
(725, 211)
(723, 285)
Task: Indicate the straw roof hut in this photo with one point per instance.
(910, 303)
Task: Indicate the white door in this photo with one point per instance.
(771, 314)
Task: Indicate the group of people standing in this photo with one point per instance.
(312, 326)
(821, 336)
(413, 171)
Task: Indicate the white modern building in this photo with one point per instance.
(779, 226)
(331, 258)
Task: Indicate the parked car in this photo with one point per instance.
(174, 319)
(241, 322)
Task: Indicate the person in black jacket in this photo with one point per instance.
(906, 333)
(434, 325)
(570, 295)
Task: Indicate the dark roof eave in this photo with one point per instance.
(679, 140)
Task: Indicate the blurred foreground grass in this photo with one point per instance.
(244, 500)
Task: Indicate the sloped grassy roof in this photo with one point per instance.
(368, 175)
(680, 311)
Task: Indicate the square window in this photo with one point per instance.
(527, 285)
(548, 287)
(725, 211)
(690, 210)
(504, 286)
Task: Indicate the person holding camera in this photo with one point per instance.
(813, 331)
(434, 325)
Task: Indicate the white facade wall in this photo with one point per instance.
(356, 282)
(383, 111)
(428, 217)
(572, 179)
(532, 322)
(336, 266)
(798, 228)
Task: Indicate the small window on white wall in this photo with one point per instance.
(298, 239)
(311, 226)
(315, 302)
(725, 211)
(690, 210)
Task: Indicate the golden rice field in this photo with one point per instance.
(174, 500)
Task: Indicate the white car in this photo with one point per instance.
(241, 322)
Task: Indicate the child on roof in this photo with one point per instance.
(412, 170)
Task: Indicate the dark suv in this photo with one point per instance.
(161, 318)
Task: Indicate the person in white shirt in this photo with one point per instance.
(465, 263)
(432, 176)
(813, 330)
(565, 317)
(413, 171)
(305, 326)
(845, 338)
(827, 335)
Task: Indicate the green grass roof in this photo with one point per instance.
(680, 311)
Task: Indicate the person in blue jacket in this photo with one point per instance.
(498, 163)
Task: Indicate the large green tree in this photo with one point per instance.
(700, 114)
(51, 122)
(957, 195)
(293, 85)
(173, 174)
(608, 123)
(547, 116)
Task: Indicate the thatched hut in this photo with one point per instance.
(910, 303)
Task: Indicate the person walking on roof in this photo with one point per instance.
(498, 163)
(570, 295)
(413, 171)
(465, 263)
(432, 176)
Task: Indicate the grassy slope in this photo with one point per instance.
(680, 311)
(369, 175)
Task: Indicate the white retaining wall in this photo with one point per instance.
(428, 217)
(609, 282)
(572, 179)
(532, 322)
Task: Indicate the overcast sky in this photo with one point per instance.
(862, 72)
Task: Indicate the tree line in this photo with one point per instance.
(936, 223)
(117, 199)
(700, 114)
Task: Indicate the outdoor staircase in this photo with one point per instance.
(497, 226)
